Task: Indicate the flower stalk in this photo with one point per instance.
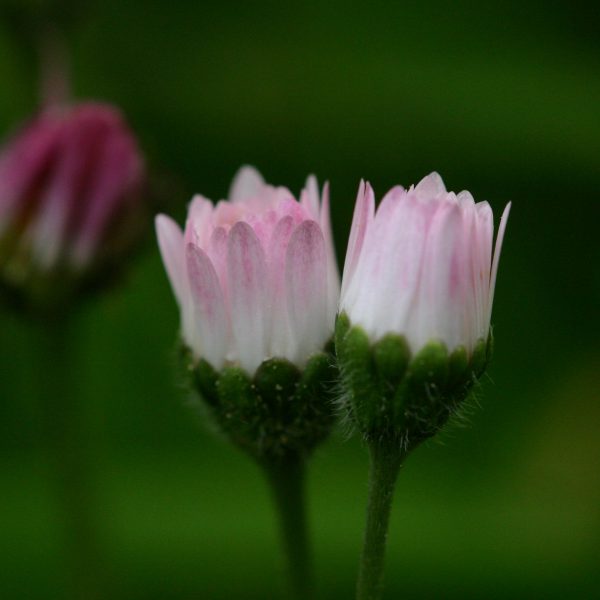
(257, 285)
(66, 446)
(413, 330)
(386, 458)
(287, 480)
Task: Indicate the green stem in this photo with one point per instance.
(287, 481)
(66, 445)
(385, 461)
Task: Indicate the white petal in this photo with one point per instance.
(217, 252)
(248, 294)
(437, 312)
(430, 186)
(333, 273)
(306, 279)
(497, 249)
(210, 333)
(386, 280)
(363, 216)
(170, 243)
(198, 225)
(309, 197)
(481, 258)
(282, 342)
(247, 183)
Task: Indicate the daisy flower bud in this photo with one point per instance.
(257, 285)
(70, 191)
(414, 327)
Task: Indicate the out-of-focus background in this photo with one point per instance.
(503, 99)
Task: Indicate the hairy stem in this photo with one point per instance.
(385, 461)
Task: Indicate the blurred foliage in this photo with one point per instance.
(501, 98)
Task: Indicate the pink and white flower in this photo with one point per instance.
(70, 186)
(421, 265)
(255, 277)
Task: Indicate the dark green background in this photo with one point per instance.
(502, 98)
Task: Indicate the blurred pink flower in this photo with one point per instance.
(255, 277)
(70, 188)
(422, 265)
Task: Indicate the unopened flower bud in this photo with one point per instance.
(70, 203)
(413, 333)
(257, 286)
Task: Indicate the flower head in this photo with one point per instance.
(412, 336)
(255, 276)
(422, 266)
(70, 188)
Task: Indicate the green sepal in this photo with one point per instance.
(423, 398)
(479, 359)
(342, 325)
(429, 368)
(276, 381)
(390, 395)
(392, 355)
(355, 360)
(205, 381)
(235, 391)
(458, 366)
(282, 410)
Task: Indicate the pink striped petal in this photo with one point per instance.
(248, 290)
(117, 178)
(282, 343)
(382, 259)
(309, 197)
(217, 252)
(209, 335)
(437, 313)
(59, 202)
(22, 168)
(306, 279)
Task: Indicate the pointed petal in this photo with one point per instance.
(481, 259)
(333, 273)
(198, 225)
(306, 279)
(209, 336)
(248, 290)
(384, 287)
(430, 186)
(309, 197)
(170, 243)
(496, 260)
(247, 183)
(363, 216)
(438, 309)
